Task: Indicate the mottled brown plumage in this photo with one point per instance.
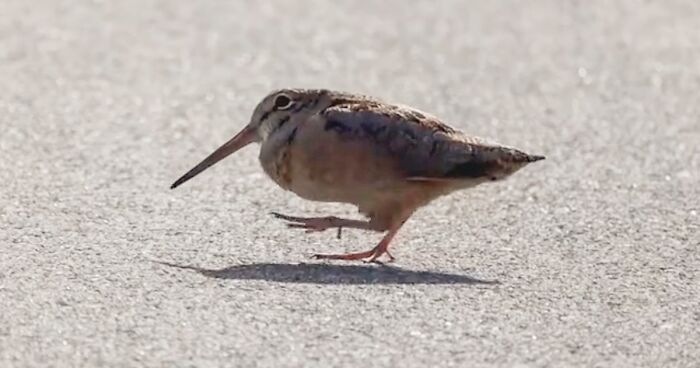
(386, 159)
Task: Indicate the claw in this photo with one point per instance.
(285, 217)
(370, 256)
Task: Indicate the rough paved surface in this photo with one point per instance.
(104, 103)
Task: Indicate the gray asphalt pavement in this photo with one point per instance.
(103, 104)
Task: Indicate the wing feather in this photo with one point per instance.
(424, 147)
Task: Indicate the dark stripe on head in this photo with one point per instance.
(265, 115)
(280, 124)
(292, 135)
(313, 102)
(283, 121)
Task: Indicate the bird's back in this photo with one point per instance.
(421, 145)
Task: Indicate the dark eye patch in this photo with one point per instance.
(282, 102)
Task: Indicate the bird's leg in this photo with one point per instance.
(372, 254)
(313, 224)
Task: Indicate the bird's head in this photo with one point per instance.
(279, 107)
(275, 110)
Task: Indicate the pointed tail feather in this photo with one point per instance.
(533, 158)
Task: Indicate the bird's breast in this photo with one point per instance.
(275, 161)
(320, 166)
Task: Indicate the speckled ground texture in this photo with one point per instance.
(596, 250)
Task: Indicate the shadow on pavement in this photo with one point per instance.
(331, 274)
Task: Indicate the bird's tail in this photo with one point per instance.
(515, 156)
(533, 158)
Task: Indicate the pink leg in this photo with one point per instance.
(314, 224)
(372, 254)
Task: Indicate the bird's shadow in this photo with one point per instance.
(323, 273)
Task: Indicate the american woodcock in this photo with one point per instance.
(387, 159)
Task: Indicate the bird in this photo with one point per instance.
(387, 159)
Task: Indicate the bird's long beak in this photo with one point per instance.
(243, 138)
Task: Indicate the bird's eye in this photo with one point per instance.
(283, 102)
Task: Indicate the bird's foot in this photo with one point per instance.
(311, 224)
(372, 255)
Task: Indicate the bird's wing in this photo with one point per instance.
(423, 147)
